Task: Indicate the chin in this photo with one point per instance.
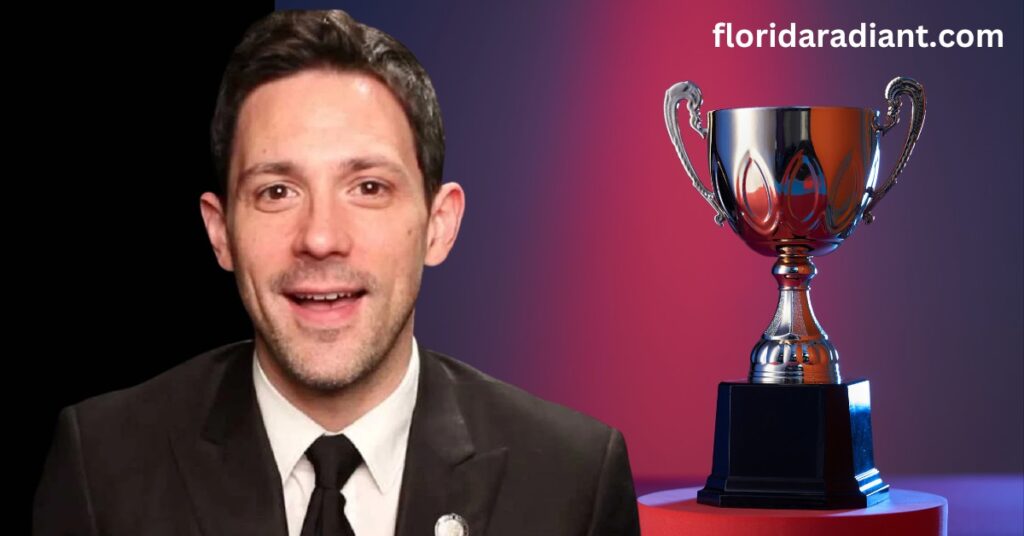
(344, 368)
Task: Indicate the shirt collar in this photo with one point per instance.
(380, 435)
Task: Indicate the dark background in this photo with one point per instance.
(122, 281)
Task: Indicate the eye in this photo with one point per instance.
(371, 188)
(275, 192)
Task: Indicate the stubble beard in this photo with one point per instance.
(298, 355)
(365, 358)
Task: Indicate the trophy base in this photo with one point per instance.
(793, 446)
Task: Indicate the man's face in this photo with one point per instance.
(327, 227)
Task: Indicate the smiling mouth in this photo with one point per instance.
(326, 309)
(325, 300)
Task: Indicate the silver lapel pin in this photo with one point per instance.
(451, 525)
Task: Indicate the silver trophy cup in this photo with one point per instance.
(793, 183)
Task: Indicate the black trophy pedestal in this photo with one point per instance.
(793, 446)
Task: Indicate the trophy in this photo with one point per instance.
(793, 183)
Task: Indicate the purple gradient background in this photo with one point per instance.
(590, 273)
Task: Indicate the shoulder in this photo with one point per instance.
(568, 469)
(501, 414)
(169, 399)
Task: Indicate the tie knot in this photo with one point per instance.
(334, 458)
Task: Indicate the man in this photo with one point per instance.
(329, 149)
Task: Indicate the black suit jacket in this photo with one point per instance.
(187, 453)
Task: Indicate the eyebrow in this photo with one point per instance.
(269, 168)
(287, 167)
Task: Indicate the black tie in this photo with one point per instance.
(334, 458)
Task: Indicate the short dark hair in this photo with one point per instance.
(287, 42)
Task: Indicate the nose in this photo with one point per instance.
(325, 228)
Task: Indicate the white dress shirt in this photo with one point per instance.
(381, 436)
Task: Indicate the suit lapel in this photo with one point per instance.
(229, 469)
(444, 473)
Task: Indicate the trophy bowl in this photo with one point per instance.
(793, 179)
(794, 182)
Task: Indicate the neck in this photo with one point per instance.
(337, 409)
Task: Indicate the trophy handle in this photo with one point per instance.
(898, 87)
(689, 92)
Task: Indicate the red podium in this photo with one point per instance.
(676, 512)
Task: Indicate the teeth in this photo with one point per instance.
(324, 297)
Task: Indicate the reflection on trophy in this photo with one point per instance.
(793, 183)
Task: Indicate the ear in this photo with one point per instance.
(445, 218)
(216, 229)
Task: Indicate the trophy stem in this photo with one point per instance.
(794, 348)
